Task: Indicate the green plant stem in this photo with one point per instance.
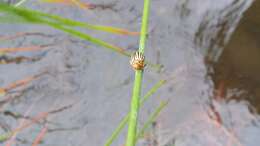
(124, 121)
(131, 136)
(151, 119)
(145, 20)
(133, 118)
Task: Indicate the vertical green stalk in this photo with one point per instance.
(125, 120)
(144, 28)
(131, 136)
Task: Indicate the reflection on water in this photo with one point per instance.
(234, 65)
(214, 105)
(217, 26)
(238, 68)
(228, 39)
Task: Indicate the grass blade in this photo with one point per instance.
(90, 38)
(35, 17)
(20, 15)
(22, 49)
(83, 5)
(124, 121)
(29, 14)
(151, 119)
(72, 23)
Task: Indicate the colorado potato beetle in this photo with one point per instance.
(137, 61)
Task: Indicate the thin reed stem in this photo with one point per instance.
(133, 118)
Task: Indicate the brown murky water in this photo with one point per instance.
(238, 67)
(210, 48)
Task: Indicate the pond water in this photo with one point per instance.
(211, 60)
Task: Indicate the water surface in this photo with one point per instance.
(210, 54)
